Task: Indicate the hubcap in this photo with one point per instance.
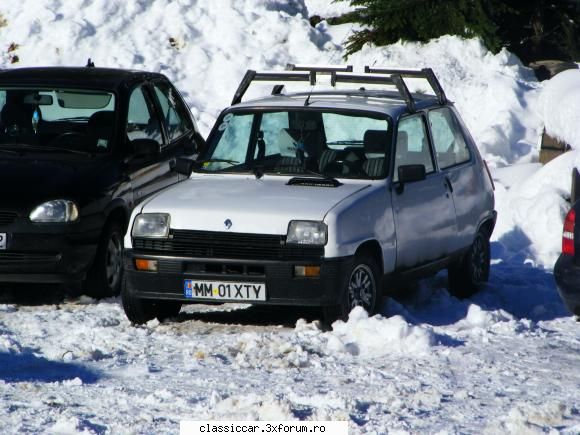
(478, 259)
(114, 260)
(361, 287)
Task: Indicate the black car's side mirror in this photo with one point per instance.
(183, 166)
(410, 174)
(145, 147)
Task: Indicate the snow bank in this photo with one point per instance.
(532, 201)
(376, 336)
(328, 8)
(560, 107)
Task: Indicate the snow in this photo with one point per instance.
(560, 107)
(504, 361)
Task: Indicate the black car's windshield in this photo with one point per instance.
(300, 142)
(56, 120)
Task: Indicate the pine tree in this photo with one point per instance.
(532, 29)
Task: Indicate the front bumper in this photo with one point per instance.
(50, 256)
(282, 287)
(567, 275)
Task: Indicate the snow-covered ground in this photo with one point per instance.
(505, 361)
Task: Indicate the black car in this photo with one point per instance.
(79, 147)
(567, 268)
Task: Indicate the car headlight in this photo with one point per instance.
(59, 210)
(154, 225)
(306, 233)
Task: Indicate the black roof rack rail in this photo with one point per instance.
(286, 76)
(425, 73)
(319, 68)
(343, 74)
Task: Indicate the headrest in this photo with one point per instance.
(100, 126)
(376, 141)
(17, 114)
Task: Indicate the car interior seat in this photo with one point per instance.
(377, 146)
(100, 129)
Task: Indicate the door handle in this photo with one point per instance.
(448, 182)
(172, 164)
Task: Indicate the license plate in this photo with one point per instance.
(3, 241)
(222, 290)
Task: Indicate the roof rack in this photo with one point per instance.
(343, 74)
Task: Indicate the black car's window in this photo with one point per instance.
(174, 115)
(141, 120)
(449, 142)
(57, 119)
(412, 146)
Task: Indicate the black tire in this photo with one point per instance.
(362, 288)
(106, 274)
(140, 311)
(467, 277)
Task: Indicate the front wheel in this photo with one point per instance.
(362, 290)
(468, 276)
(105, 276)
(140, 311)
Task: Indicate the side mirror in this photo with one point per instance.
(145, 147)
(183, 166)
(410, 174)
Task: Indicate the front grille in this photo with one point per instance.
(213, 244)
(7, 217)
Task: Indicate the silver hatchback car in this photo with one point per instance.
(319, 198)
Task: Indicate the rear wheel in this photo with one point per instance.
(140, 311)
(362, 290)
(105, 276)
(467, 277)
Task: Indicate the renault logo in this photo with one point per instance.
(228, 224)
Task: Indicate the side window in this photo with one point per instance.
(141, 120)
(412, 145)
(174, 115)
(450, 145)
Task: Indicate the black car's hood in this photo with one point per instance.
(27, 181)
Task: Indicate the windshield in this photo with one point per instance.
(51, 119)
(300, 142)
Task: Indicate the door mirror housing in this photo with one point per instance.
(183, 166)
(410, 174)
(145, 147)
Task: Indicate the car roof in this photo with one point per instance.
(385, 102)
(90, 77)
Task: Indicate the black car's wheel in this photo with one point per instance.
(104, 277)
(362, 290)
(467, 277)
(140, 311)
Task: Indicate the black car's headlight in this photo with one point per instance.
(59, 210)
(307, 233)
(154, 225)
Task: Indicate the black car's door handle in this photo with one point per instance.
(448, 182)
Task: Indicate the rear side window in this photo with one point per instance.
(450, 146)
(141, 120)
(412, 145)
(174, 116)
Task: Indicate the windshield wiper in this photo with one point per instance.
(74, 119)
(231, 162)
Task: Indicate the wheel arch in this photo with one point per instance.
(373, 249)
(118, 211)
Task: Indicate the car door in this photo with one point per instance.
(459, 167)
(149, 170)
(182, 137)
(424, 213)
